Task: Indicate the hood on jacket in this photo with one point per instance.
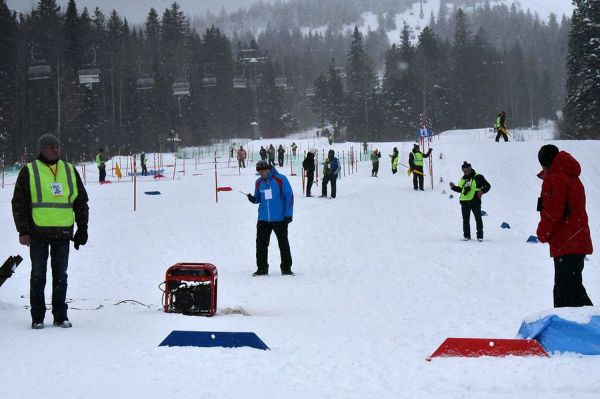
(563, 163)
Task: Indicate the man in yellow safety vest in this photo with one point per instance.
(101, 163)
(471, 187)
(49, 198)
(415, 161)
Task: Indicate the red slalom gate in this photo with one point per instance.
(477, 347)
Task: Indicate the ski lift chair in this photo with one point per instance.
(181, 88)
(89, 76)
(240, 83)
(145, 82)
(39, 72)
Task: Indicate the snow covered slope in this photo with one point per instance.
(382, 279)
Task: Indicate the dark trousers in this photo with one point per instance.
(263, 237)
(144, 170)
(102, 173)
(568, 286)
(310, 177)
(467, 208)
(58, 249)
(280, 161)
(327, 179)
(272, 161)
(375, 169)
(418, 178)
(263, 157)
(501, 134)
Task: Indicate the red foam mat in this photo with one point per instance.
(476, 347)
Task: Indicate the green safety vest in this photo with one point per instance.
(52, 196)
(418, 158)
(497, 122)
(470, 194)
(99, 160)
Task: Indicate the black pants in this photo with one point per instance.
(375, 169)
(501, 134)
(102, 173)
(144, 170)
(568, 287)
(272, 161)
(327, 179)
(418, 178)
(280, 161)
(467, 208)
(310, 177)
(263, 157)
(58, 249)
(263, 237)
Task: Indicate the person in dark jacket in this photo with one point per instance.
(280, 155)
(395, 158)
(375, 155)
(500, 128)
(101, 164)
(263, 153)
(564, 224)
(331, 168)
(471, 187)
(309, 168)
(271, 154)
(49, 198)
(275, 197)
(415, 161)
(143, 162)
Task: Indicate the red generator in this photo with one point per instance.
(191, 289)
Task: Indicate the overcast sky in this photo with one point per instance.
(137, 10)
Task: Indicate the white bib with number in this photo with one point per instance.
(268, 194)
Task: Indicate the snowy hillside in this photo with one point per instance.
(382, 278)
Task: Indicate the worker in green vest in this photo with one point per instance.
(395, 159)
(500, 128)
(101, 164)
(49, 198)
(415, 161)
(471, 187)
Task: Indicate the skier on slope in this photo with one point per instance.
(471, 187)
(273, 193)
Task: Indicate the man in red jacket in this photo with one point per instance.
(564, 224)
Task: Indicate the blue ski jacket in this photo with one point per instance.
(274, 196)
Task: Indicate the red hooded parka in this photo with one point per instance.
(564, 221)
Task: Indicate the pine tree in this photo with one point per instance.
(582, 109)
(361, 89)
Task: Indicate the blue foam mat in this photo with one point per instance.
(207, 339)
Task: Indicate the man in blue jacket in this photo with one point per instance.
(331, 168)
(273, 193)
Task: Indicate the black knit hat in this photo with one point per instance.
(546, 154)
(465, 165)
(262, 165)
(47, 140)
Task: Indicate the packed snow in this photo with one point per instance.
(382, 278)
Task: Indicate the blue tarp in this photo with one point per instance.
(213, 338)
(556, 334)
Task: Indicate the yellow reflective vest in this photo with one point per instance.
(53, 191)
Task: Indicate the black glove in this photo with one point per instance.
(251, 198)
(80, 238)
(288, 219)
